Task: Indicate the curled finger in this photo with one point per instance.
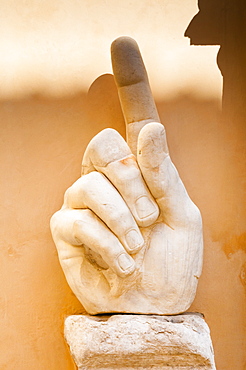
(83, 227)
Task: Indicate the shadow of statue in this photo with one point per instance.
(223, 22)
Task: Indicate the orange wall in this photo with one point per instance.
(47, 121)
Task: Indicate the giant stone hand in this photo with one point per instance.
(128, 236)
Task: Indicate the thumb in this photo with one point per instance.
(152, 145)
(161, 176)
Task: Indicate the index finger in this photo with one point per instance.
(135, 95)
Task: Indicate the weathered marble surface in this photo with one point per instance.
(126, 342)
(128, 236)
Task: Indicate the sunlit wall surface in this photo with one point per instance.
(59, 47)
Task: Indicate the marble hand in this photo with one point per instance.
(128, 236)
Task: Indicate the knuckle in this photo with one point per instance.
(107, 146)
(54, 220)
(120, 219)
(194, 215)
(87, 180)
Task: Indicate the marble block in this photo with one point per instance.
(128, 342)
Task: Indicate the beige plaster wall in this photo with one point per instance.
(51, 51)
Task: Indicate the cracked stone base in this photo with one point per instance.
(127, 342)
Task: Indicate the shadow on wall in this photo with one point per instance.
(223, 22)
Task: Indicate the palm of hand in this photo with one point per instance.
(166, 276)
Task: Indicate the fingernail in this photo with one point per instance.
(145, 207)
(134, 240)
(126, 263)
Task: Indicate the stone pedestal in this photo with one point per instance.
(129, 342)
